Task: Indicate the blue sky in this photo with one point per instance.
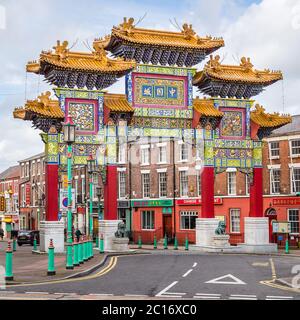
(268, 31)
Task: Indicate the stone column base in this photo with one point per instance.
(52, 230)
(257, 236)
(120, 244)
(108, 228)
(205, 231)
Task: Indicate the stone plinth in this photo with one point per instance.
(221, 240)
(205, 231)
(52, 230)
(108, 228)
(120, 244)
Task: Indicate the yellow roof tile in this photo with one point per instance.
(242, 73)
(43, 106)
(206, 108)
(117, 102)
(267, 120)
(186, 38)
(97, 61)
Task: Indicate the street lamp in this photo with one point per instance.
(69, 138)
(91, 167)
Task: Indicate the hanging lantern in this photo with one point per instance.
(91, 164)
(69, 131)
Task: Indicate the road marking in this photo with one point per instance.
(272, 284)
(195, 264)
(100, 294)
(208, 294)
(279, 298)
(235, 280)
(136, 295)
(207, 297)
(243, 297)
(260, 264)
(111, 265)
(187, 273)
(6, 292)
(66, 293)
(165, 293)
(36, 292)
(273, 269)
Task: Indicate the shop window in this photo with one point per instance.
(188, 220)
(148, 220)
(235, 220)
(293, 217)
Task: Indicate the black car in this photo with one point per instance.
(27, 237)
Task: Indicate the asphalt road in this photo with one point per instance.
(179, 276)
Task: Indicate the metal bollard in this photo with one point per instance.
(101, 244)
(9, 263)
(155, 242)
(51, 263)
(287, 246)
(85, 254)
(175, 244)
(186, 243)
(34, 244)
(165, 243)
(14, 244)
(140, 242)
(91, 247)
(97, 242)
(80, 252)
(76, 260)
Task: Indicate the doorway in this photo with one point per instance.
(271, 214)
(167, 226)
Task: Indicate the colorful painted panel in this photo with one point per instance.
(159, 91)
(84, 114)
(233, 123)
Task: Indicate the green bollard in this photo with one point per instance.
(165, 243)
(101, 244)
(92, 247)
(76, 260)
(80, 252)
(51, 263)
(85, 254)
(14, 245)
(287, 246)
(34, 244)
(97, 242)
(186, 243)
(9, 263)
(175, 244)
(140, 242)
(155, 242)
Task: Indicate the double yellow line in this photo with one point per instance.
(112, 263)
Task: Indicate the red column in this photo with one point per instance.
(207, 192)
(256, 194)
(51, 189)
(111, 194)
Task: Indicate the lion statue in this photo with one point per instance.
(221, 228)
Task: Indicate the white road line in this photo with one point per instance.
(243, 295)
(278, 297)
(242, 298)
(165, 293)
(66, 293)
(195, 264)
(167, 296)
(187, 273)
(101, 294)
(207, 297)
(208, 294)
(6, 292)
(136, 295)
(36, 292)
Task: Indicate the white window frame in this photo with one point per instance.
(122, 184)
(233, 212)
(273, 182)
(291, 148)
(150, 220)
(189, 214)
(144, 193)
(293, 221)
(231, 184)
(162, 154)
(39, 167)
(145, 155)
(198, 181)
(272, 149)
(247, 185)
(122, 154)
(293, 181)
(183, 152)
(162, 183)
(186, 181)
(33, 168)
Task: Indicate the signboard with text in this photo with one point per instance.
(195, 202)
(152, 203)
(63, 200)
(286, 201)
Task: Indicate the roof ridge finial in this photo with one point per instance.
(44, 98)
(127, 26)
(188, 31)
(246, 64)
(62, 49)
(100, 53)
(214, 62)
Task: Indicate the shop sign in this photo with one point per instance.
(2, 203)
(27, 193)
(194, 202)
(152, 203)
(281, 227)
(167, 210)
(123, 204)
(286, 201)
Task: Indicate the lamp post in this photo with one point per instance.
(91, 166)
(69, 138)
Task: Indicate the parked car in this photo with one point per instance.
(27, 237)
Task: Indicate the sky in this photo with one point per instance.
(267, 31)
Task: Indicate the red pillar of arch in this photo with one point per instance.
(256, 194)
(51, 190)
(111, 194)
(207, 192)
